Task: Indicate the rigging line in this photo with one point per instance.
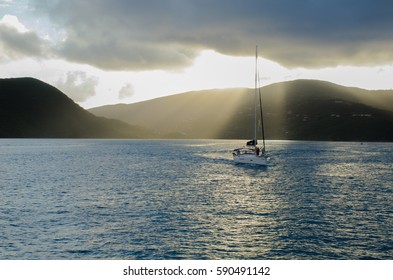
(261, 110)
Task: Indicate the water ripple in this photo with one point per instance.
(108, 199)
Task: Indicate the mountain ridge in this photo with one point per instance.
(30, 108)
(294, 110)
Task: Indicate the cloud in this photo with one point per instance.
(78, 85)
(156, 34)
(13, 22)
(5, 3)
(16, 41)
(126, 91)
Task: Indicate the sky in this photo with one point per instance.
(107, 52)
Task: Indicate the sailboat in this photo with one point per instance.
(252, 153)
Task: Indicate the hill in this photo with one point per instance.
(32, 108)
(297, 110)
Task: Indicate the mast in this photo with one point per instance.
(255, 96)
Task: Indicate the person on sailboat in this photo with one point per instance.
(257, 151)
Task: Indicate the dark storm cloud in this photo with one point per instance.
(15, 44)
(151, 34)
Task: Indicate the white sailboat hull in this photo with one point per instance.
(250, 159)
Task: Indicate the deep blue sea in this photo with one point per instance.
(134, 199)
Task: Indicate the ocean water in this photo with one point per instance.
(132, 199)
